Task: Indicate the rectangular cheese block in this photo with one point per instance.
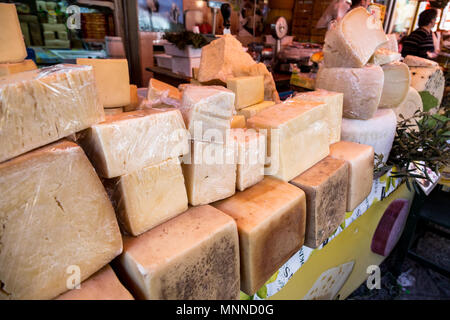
(360, 158)
(207, 112)
(113, 111)
(42, 106)
(297, 136)
(384, 56)
(149, 196)
(10, 68)
(249, 112)
(194, 256)
(362, 88)
(334, 102)
(325, 185)
(270, 217)
(238, 121)
(134, 99)
(210, 172)
(397, 80)
(353, 40)
(12, 48)
(130, 141)
(248, 90)
(112, 80)
(58, 222)
(102, 285)
(251, 152)
(162, 93)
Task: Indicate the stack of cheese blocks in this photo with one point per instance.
(364, 64)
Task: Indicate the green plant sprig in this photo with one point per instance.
(185, 38)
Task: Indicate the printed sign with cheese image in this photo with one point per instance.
(330, 282)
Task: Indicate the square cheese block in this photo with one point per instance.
(207, 112)
(112, 80)
(102, 285)
(10, 68)
(270, 217)
(249, 112)
(162, 93)
(360, 157)
(12, 45)
(297, 136)
(130, 141)
(251, 152)
(149, 196)
(194, 256)
(209, 172)
(42, 106)
(238, 121)
(325, 185)
(334, 102)
(57, 222)
(353, 40)
(248, 90)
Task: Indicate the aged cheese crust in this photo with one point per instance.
(11, 68)
(55, 215)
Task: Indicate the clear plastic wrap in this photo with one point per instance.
(57, 222)
(160, 93)
(362, 88)
(41, 106)
(194, 256)
(130, 141)
(149, 196)
(271, 220)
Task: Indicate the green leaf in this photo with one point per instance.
(262, 293)
(429, 101)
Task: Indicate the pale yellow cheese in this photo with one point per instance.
(134, 99)
(270, 217)
(209, 172)
(42, 106)
(250, 151)
(383, 56)
(112, 80)
(249, 112)
(297, 136)
(102, 285)
(130, 141)
(409, 106)
(194, 256)
(325, 185)
(149, 196)
(12, 46)
(238, 121)
(397, 80)
(113, 111)
(10, 68)
(248, 90)
(58, 222)
(360, 158)
(334, 102)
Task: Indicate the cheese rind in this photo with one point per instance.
(270, 217)
(429, 79)
(360, 158)
(353, 40)
(396, 84)
(325, 185)
(56, 218)
(249, 112)
(248, 90)
(41, 106)
(250, 151)
(194, 256)
(12, 46)
(113, 111)
(362, 88)
(10, 68)
(378, 131)
(413, 61)
(384, 56)
(334, 102)
(112, 80)
(209, 172)
(409, 106)
(238, 121)
(149, 196)
(130, 141)
(207, 112)
(297, 136)
(102, 285)
(162, 93)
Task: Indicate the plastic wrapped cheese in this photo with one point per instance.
(362, 88)
(41, 106)
(163, 93)
(130, 141)
(58, 225)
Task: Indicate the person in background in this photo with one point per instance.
(421, 41)
(359, 3)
